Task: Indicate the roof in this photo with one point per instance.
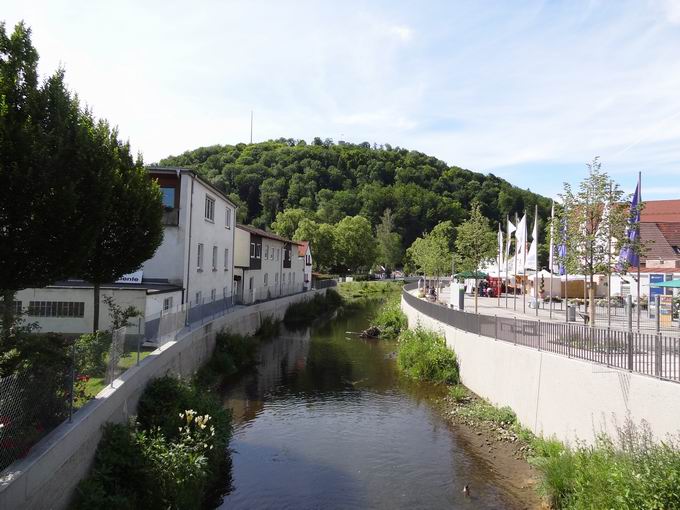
(302, 248)
(152, 286)
(264, 233)
(658, 247)
(193, 173)
(656, 211)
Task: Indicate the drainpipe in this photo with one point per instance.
(191, 215)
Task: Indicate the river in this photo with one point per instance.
(325, 422)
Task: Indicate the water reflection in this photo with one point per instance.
(326, 422)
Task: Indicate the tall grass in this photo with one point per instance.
(423, 355)
(628, 472)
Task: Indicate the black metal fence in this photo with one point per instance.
(645, 353)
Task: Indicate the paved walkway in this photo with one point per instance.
(516, 308)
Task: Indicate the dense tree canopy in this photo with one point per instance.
(330, 181)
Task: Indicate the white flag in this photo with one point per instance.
(521, 244)
(531, 262)
(510, 229)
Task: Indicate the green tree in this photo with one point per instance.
(287, 222)
(431, 254)
(354, 244)
(131, 230)
(475, 244)
(49, 191)
(595, 226)
(390, 251)
(321, 238)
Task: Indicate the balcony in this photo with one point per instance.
(170, 217)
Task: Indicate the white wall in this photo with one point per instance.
(154, 302)
(554, 395)
(79, 325)
(47, 476)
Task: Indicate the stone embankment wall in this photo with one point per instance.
(555, 395)
(47, 477)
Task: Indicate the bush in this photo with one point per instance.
(269, 328)
(390, 319)
(91, 350)
(423, 355)
(171, 458)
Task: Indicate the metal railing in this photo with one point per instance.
(645, 353)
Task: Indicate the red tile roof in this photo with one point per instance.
(661, 211)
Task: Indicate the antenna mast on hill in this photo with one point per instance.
(251, 126)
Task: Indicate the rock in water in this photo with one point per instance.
(372, 332)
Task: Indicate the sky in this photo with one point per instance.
(527, 90)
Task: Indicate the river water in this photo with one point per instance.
(325, 422)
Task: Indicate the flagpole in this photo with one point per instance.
(500, 252)
(551, 255)
(514, 284)
(536, 259)
(609, 260)
(637, 238)
(524, 263)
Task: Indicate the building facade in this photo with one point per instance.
(266, 265)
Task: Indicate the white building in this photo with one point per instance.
(266, 265)
(192, 268)
(198, 242)
(305, 251)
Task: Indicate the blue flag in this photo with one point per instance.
(628, 257)
(562, 249)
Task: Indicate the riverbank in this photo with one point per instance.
(493, 436)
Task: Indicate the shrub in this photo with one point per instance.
(269, 328)
(390, 319)
(171, 458)
(423, 355)
(91, 350)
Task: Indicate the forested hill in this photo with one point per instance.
(336, 180)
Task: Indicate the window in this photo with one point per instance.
(209, 208)
(213, 294)
(226, 259)
(289, 277)
(266, 251)
(250, 283)
(227, 218)
(278, 253)
(17, 307)
(199, 297)
(167, 303)
(266, 279)
(199, 260)
(276, 278)
(56, 309)
(293, 278)
(168, 197)
(214, 259)
(258, 251)
(252, 250)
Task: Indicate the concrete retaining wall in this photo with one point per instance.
(46, 478)
(554, 395)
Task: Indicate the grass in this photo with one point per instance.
(91, 387)
(458, 393)
(358, 290)
(423, 355)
